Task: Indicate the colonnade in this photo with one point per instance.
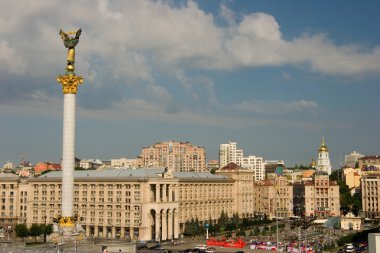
(165, 224)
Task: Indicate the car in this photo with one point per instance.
(156, 247)
(186, 251)
(201, 247)
(349, 248)
(210, 250)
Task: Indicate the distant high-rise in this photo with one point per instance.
(174, 155)
(323, 162)
(228, 153)
(351, 159)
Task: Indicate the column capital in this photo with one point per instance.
(69, 83)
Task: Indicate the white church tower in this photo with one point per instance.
(323, 163)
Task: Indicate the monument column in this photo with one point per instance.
(69, 83)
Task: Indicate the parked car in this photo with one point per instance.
(186, 251)
(210, 250)
(349, 248)
(156, 247)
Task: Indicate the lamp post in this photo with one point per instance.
(207, 227)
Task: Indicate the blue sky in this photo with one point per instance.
(274, 76)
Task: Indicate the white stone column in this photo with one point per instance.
(68, 154)
(164, 227)
(158, 193)
(158, 224)
(170, 225)
(170, 193)
(176, 225)
(164, 191)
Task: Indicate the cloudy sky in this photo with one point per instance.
(274, 76)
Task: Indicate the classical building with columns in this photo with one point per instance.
(141, 203)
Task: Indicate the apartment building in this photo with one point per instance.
(274, 197)
(370, 186)
(321, 197)
(228, 153)
(10, 201)
(177, 156)
(243, 189)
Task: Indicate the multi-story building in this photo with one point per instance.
(177, 156)
(243, 190)
(321, 197)
(369, 163)
(370, 186)
(10, 201)
(228, 153)
(255, 164)
(125, 162)
(140, 203)
(351, 159)
(274, 198)
(352, 177)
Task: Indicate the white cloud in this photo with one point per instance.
(275, 107)
(10, 60)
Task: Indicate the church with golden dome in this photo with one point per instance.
(323, 162)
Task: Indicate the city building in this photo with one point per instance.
(228, 153)
(323, 162)
(351, 178)
(270, 167)
(45, 166)
(143, 203)
(177, 156)
(90, 164)
(350, 222)
(351, 159)
(212, 165)
(10, 199)
(370, 186)
(369, 163)
(243, 190)
(125, 162)
(274, 198)
(317, 198)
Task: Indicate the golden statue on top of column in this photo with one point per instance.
(70, 81)
(70, 41)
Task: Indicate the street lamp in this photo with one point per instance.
(207, 227)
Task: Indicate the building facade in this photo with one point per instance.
(369, 163)
(274, 198)
(177, 156)
(228, 153)
(322, 197)
(130, 203)
(351, 159)
(370, 186)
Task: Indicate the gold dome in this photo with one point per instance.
(313, 163)
(323, 147)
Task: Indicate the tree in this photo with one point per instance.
(22, 231)
(46, 230)
(35, 230)
(223, 221)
